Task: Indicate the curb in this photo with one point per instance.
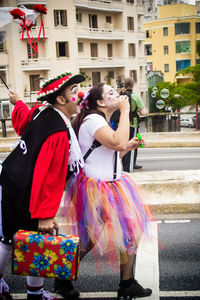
(170, 192)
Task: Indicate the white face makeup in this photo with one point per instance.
(110, 96)
(71, 94)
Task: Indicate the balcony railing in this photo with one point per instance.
(35, 31)
(143, 86)
(99, 33)
(30, 96)
(101, 62)
(100, 5)
(36, 64)
(33, 2)
(141, 35)
(142, 61)
(140, 9)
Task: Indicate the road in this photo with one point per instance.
(156, 159)
(177, 263)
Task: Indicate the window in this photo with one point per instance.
(110, 50)
(31, 53)
(131, 50)
(165, 31)
(78, 17)
(111, 74)
(198, 27)
(148, 49)
(130, 1)
(80, 47)
(182, 64)
(108, 19)
(4, 74)
(166, 50)
(94, 50)
(5, 111)
(182, 28)
(96, 78)
(166, 67)
(34, 82)
(149, 66)
(2, 39)
(93, 21)
(147, 34)
(183, 47)
(133, 74)
(130, 22)
(60, 17)
(62, 49)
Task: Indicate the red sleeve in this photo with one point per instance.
(49, 176)
(21, 116)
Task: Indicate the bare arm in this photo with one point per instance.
(116, 140)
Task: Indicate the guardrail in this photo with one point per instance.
(154, 122)
(3, 126)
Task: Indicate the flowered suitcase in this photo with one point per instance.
(45, 255)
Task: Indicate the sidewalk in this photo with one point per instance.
(153, 140)
(170, 192)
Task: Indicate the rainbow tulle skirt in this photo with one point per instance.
(110, 215)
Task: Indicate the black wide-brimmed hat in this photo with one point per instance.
(53, 85)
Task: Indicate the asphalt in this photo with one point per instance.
(167, 192)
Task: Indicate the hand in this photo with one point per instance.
(14, 97)
(47, 225)
(123, 103)
(134, 143)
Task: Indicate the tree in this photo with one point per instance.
(171, 101)
(191, 90)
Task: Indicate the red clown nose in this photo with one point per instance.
(81, 95)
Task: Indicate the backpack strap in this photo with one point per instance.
(95, 144)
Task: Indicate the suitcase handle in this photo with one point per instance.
(43, 232)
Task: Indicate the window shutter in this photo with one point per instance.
(55, 18)
(67, 49)
(64, 18)
(57, 50)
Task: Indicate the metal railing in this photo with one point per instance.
(152, 122)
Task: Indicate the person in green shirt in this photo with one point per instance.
(137, 108)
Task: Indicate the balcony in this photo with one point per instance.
(30, 97)
(143, 86)
(141, 35)
(101, 62)
(33, 2)
(140, 10)
(35, 31)
(99, 5)
(142, 61)
(99, 33)
(34, 64)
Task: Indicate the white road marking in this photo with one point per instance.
(168, 157)
(179, 293)
(108, 295)
(147, 263)
(177, 221)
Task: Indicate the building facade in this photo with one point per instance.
(103, 39)
(171, 39)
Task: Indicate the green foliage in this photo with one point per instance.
(172, 102)
(198, 48)
(191, 90)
